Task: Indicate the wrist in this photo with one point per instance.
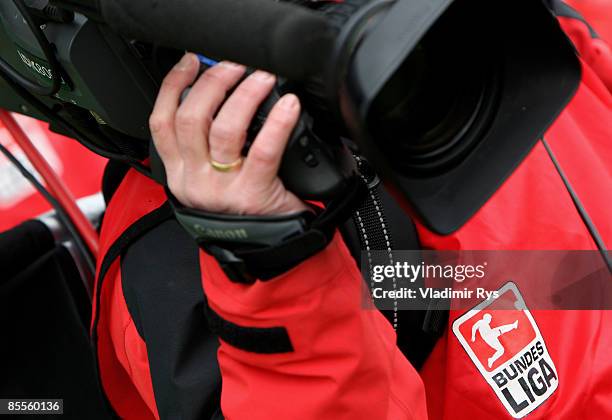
(263, 247)
(253, 247)
(235, 300)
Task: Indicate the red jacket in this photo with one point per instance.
(344, 362)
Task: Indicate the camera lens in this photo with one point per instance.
(432, 111)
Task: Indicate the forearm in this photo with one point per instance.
(343, 361)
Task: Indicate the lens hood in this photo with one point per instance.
(529, 72)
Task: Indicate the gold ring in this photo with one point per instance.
(226, 167)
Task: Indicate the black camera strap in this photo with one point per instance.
(263, 247)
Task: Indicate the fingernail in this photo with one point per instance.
(186, 62)
(231, 65)
(289, 102)
(264, 76)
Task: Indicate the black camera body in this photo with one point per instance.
(312, 168)
(445, 98)
(112, 82)
(102, 74)
(315, 166)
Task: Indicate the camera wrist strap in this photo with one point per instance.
(263, 247)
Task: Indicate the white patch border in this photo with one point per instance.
(485, 374)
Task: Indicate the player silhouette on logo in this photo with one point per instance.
(491, 335)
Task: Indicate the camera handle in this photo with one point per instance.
(312, 168)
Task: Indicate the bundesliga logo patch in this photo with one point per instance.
(504, 342)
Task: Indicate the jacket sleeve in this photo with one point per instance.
(342, 361)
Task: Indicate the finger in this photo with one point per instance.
(229, 129)
(196, 113)
(161, 121)
(265, 155)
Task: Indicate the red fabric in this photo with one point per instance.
(79, 168)
(543, 217)
(532, 210)
(122, 355)
(345, 363)
(595, 52)
(599, 15)
(303, 374)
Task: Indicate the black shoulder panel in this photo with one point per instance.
(163, 291)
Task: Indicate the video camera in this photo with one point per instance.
(444, 97)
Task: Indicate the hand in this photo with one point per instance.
(206, 127)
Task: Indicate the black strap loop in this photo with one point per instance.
(267, 263)
(271, 340)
